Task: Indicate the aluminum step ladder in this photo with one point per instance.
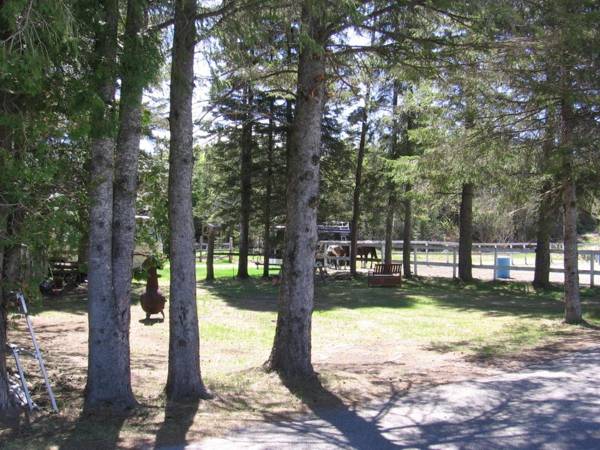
(36, 354)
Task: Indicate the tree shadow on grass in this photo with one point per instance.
(504, 298)
(179, 417)
(97, 431)
(492, 298)
(351, 429)
(75, 302)
(259, 295)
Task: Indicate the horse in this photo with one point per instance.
(364, 253)
(338, 251)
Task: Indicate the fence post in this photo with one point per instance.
(453, 263)
(593, 256)
(480, 255)
(415, 260)
(230, 249)
(427, 252)
(495, 261)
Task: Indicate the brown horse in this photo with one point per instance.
(338, 251)
(363, 253)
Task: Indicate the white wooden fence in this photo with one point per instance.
(484, 256)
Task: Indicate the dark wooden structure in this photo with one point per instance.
(385, 275)
(65, 273)
(152, 301)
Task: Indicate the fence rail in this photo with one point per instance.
(445, 254)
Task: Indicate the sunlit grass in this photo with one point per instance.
(222, 269)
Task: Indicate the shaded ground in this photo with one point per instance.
(368, 344)
(555, 405)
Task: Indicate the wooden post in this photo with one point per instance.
(427, 252)
(495, 262)
(230, 249)
(480, 255)
(415, 260)
(453, 263)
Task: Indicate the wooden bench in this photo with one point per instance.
(385, 275)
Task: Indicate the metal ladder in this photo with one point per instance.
(17, 352)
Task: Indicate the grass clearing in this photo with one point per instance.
(367, 344)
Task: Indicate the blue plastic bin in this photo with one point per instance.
(503, 270)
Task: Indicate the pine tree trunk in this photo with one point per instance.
(291, 353)
(125, 182)
(210, 255)
(184, 381)
(268, 193)
(572, 300)
(391, 187)
(546, 209)
(541, 278)
(569, 197)
(245, 187)
(7, 406)
(389, 224)
(83, 250)
(465, 243)
(407, 234)
(108, 382)
(358, 184)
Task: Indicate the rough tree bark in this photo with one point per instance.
(108, 381)
(210, 255)
(358, 182)
(572, 300)
(389, 225)
(184, 381)
(268, 193)
(8, 407)
(391, 186)
(546, 210)
(569, 197)
(407, 203)
(465, 240)
(407, 233)
(245, 186)
(291, 353)
(126, 169)
(126, 164)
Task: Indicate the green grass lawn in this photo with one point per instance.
(482, 319)
(222, 268)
